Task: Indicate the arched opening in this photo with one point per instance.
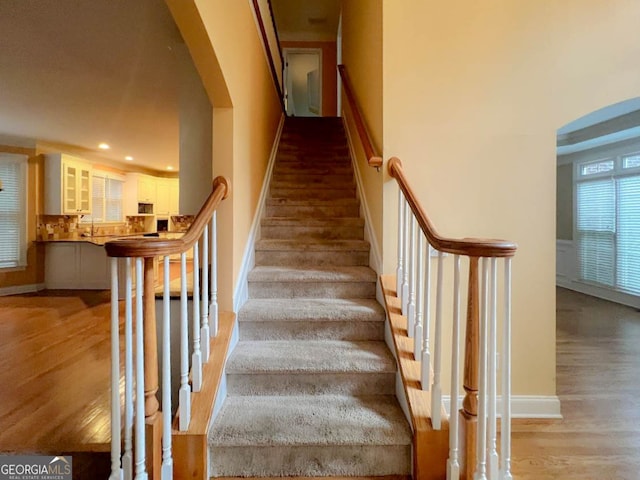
(598, 203)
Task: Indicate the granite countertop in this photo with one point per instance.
(100, 240)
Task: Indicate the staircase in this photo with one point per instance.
(311, 383)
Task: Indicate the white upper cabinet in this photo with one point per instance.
(167, 196)
(67, 185)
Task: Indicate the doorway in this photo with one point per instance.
(303, 82)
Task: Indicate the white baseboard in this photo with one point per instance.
(241, 292)
(524, 406)
(375, 255)
(19, 289)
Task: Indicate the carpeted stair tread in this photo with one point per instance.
(311, 274)
(311, 309)
(312, 420)
(308, 356)
(312, 222)
(313, 245)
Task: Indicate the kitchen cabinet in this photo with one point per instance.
(167, 196)
(67, 185)
(139, 188)
(76, 265)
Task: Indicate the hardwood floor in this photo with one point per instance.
(598, 373)
(54, 350)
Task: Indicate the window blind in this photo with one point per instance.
(596, 216)
(628, 235)
(113, 200)
(13, 206)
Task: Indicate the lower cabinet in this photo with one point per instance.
(76, 265)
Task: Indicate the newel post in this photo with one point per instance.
(153, 418)
(469, 411)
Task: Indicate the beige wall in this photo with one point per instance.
(329, 72)
(33, 273)
(362, 56)
(473, 114)
(225, 46)
(564, 202)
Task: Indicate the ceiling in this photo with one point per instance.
(611, 124)
(76, 73)
(310, 20)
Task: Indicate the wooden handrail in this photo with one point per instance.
(470, 247)
(265, 42)
(373, 158)
(153, 247)
(275, 29)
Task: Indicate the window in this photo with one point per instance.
(13, 211)
(608, 222)
(106, 201)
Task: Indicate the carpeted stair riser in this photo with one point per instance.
(325, 435)
(311, 259)
(310, 461)
(350, 229)
(312, 193)
(316, 330)
(311, 319)
(324, 170)
(312, 211)
(312, 290)
(304, 178)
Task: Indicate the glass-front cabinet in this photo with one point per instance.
(67, 185)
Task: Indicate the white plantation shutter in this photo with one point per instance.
(628, 235)
(113, 200)
(107, 199)
(13, 211)
(596, 216)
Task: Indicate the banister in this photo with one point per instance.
(373, 158)
(470, 247)
(265, 42)
(152, 247)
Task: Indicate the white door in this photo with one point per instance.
(303, 73)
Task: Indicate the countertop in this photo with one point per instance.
(100, 240)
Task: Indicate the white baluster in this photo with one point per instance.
(205, 329)
(405, 280)
(399, 270)
(417, 336)
(425, 365)
(196, 356)
(436, 390)
(453, 465)
(185, 390)
(141, 469)
(481, 449)
(505, 421)
(116, 472)
(213, 310)
(411, 307)
(127, 458)
(493, 460)
(167, 459)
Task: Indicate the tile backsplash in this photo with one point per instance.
(67, 227)
(181, 223)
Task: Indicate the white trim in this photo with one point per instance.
(524, 406)
(20, 289)
(375, 258)
(241, 291)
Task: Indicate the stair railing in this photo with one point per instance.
(146, 449)
(473, 454)
(276, 74)
(373, 159)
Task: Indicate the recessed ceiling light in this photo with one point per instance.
(104, 146)
(169, 167)
(129, 158)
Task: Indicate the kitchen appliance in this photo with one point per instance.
(145, 208)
